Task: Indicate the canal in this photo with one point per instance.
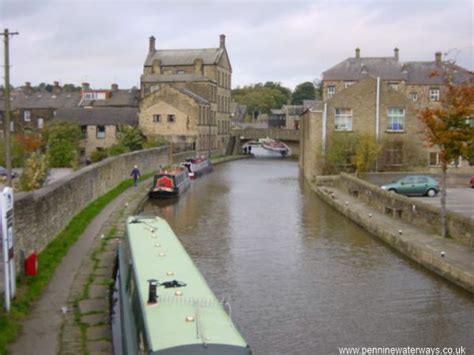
(300, 277)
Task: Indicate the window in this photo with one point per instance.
(393, 85)
(343, 119)
(83, 132)
(434, 159)
(347, 84)
(27, 115)
(40, 122)
(89, 96)
(180, 72)
(171, 118)
(434, 95)
(414, 96)
(396, 119)
(331, 91)
(393, 153)
(157, 118)
(100, 132)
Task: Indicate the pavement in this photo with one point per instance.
(72, 315)
(447, 257)
(459, 200)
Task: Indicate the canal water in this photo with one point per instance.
(300, 277)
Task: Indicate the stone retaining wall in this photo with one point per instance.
(417, 213)
(42, 214)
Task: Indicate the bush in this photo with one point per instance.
(98, 155)
(35, 172)
(117, 149)
(62, 144)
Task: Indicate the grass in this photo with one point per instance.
(29, 289)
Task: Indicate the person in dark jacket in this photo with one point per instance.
(135, 174)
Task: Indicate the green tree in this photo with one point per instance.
(62, 143)
(340, 152)
(130, 137)
(303, 91)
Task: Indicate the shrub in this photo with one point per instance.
(98, 155)
(35, 172)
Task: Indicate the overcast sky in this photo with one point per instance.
(105, 41)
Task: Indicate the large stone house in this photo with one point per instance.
(186, 96)
(376, 96)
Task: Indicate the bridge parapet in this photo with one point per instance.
(289, 135)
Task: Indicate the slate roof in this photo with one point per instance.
(293, 109)
(171, 78)
(119, 98)
(388, 68)
(42, 99)
(309, 104)
(105, 116)
(184, 56)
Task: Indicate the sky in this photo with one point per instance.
(106, 41)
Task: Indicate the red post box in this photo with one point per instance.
(31, 264)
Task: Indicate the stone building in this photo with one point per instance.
(31, 109)
(100, 113)
(199, 100)
(376, 96)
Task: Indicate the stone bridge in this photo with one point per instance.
(290, 137)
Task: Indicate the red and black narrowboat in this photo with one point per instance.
(198, 166)
(170, 183)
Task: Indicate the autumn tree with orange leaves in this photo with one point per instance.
(448, 126)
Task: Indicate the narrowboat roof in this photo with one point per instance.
(158, 254)
(174, 170)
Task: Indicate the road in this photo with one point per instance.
(460, 200)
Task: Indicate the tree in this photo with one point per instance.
(130, 137)
(448, 128)
(303, 91)
(62, 143)
(35, 172)
(340, 152)
(367, 153)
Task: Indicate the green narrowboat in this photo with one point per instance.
(161, 303)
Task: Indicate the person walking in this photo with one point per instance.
(135, 174)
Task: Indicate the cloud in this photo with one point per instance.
(291, 42)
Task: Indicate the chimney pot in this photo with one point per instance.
(56, 88)
(222, 41)
(396, 54)
(438, 57)
(85, 86)
(152, 47)
(357, 53)
(27, 84)
(114, 87)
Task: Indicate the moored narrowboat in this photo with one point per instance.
(198, 166)
(161, 303)
(170, 183)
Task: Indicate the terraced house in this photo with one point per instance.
(186, 96)
(379, 96)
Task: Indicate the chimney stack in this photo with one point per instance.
(198, 63)
(222, 41)
(357, 53)
(438, 57)
(395, 54)
(114, 87)
(56, 88)
(85, 86)
(27, 89)
(152, 47)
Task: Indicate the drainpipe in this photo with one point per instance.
(323, 128)
(377, 118)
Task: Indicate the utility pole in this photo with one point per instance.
(8, 158)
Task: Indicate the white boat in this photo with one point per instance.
(267, 147)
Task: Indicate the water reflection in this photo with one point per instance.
(301, 278)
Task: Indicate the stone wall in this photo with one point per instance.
(460, 227)
(42, 214)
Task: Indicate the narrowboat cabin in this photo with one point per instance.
(161, 303)
(198, 166)
(170, 183)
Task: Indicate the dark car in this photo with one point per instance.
(4, 172)
(417, 185)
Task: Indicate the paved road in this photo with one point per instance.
(460, 200)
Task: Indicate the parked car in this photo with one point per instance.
(4, 172)
(417, 185)
(472, 182)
